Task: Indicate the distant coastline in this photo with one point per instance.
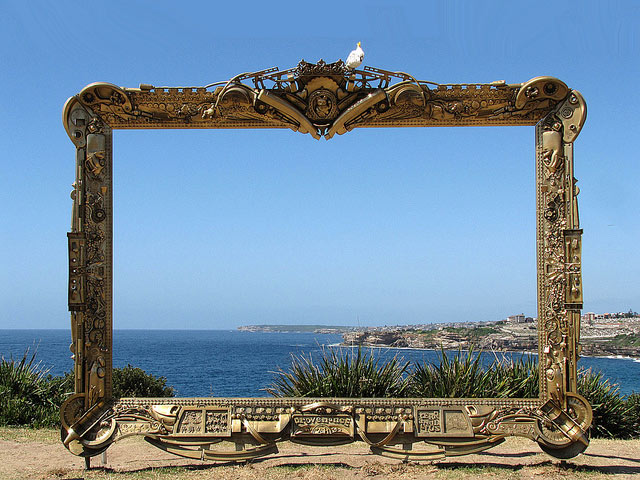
(336, 329)
(617, 337)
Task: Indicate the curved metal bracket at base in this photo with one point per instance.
(243, 455)
(405, 455)
(322, 442)
(472, 447)
(558, 428)
(208, 454)
(564, 453)
(442, 451)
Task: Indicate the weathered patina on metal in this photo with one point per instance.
(324, 100)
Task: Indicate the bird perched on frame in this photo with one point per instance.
(355, 58)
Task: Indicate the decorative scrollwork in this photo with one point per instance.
(411, 101)
(321, 68)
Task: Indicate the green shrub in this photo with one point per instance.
(610, 410)
(131, 381)
(459, 376)
(462, 375)
(30, 396)
(633, 414)
(515, 378)
(342, 373)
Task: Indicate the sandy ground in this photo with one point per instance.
(28, 454)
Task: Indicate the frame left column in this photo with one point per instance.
(90, 270)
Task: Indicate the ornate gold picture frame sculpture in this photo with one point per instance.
(323, 100)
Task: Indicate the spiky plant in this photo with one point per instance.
(515, 378)
(610, 411)
(461, 375)
(633, 415)
(29, 395)
(342, 372)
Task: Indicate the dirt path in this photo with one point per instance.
(26, 454)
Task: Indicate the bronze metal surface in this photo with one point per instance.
(324, 100)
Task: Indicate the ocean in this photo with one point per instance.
(231, 363)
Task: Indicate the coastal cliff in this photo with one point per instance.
(609, 335)
(620, 337)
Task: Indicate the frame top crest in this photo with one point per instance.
(321, 99)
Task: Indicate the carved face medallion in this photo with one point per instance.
(323, 105)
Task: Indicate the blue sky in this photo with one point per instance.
(215, 229)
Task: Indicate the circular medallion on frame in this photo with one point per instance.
(323, 105)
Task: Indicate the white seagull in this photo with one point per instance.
(355, 58)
